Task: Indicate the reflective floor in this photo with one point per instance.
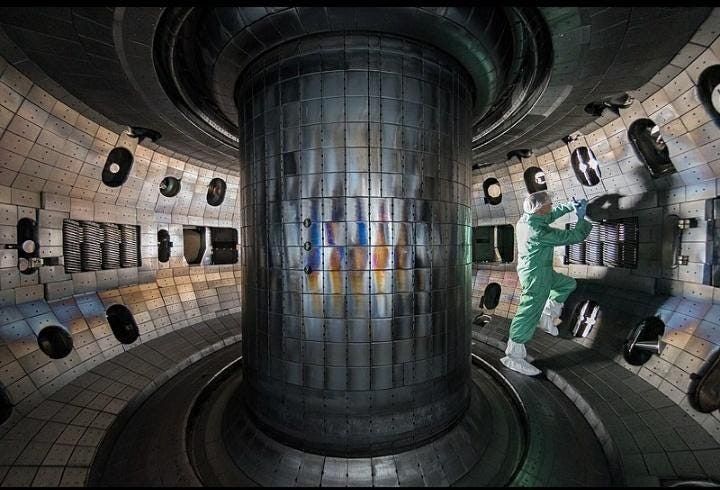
(192, 432)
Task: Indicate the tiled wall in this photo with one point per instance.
(51, 159)
(689, 308)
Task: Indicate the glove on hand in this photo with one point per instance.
(581, 208)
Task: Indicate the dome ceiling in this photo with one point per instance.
(174, 69)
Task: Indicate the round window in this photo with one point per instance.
(169, 186)
(55, 341)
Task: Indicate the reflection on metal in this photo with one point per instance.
(216, 191)
(117, 167)
(164, 246)
(193, 243)
(55, 341)
(643, 341)
(122, 323)
(491, 296)
(585, 317)
(375, 315)
(611, 243)
(492, 191)
(170, 186)
(224, 245)
(650, 147)
(534, 180)
(585, 166)
(708, 88)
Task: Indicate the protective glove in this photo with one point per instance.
(581, 208)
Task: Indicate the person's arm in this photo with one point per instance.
(556, 237)
(560, 210)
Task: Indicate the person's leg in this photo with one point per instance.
(522, 328)
(561, 287)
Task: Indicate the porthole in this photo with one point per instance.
(646, 333)
(164, 246)
(216, 192)
(709, 91)
(55, 341)
(535, 180)
(492, 191)
(585, 317)
(6, 407)
(650, 147)
(170, 186)
(585, 166)
(491, 296)
(117, 167)
(122, 324)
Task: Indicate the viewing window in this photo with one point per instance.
(535, 180)
(216, 192)
(708, 87)
(650, 147)
(492, 190)
(491, 296)
(55, 341)
(122, 324)
(585, 166)
(6, 407)
(117, 167)
(170, 186)
(164, 246)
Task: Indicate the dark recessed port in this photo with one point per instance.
(117, 167)
(122, 323)
(492, 191)
(170, 186)
(650, 147)
(164, 246)
(6, 407)
(640, 342)
(491, 296)
(224, 245)
(535, 180)
(194, 244)
(493, 243)
(585, 317)
(27, 245)
(709, 91)
(216, 192)
(585, 166)
(55, 341)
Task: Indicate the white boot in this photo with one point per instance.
(550, 317)
(515, 359)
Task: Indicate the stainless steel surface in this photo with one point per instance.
(359, 344)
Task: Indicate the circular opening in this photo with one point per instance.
(169, 186)
(55, 342)
(494, 190)
(216, 191)
(122, 324)
(117, 167)
(28, 246)
(114, 168)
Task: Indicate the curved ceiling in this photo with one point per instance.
(101, 61)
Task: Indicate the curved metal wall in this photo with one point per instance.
(356, 242)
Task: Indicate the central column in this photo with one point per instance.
(355, 157)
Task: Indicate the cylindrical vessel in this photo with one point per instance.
(355, 188)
